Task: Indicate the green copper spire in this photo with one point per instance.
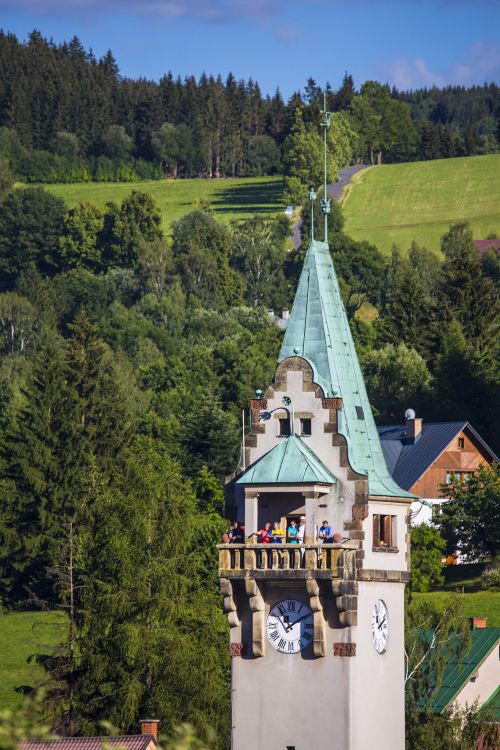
(318, 331)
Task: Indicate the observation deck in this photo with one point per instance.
(292, 561)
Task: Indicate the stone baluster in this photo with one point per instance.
(311, 559)
(249, 558)
(224, 559)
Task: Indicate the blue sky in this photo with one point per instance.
(409, 43)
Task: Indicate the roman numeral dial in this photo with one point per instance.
(290, 626)
(380, 626)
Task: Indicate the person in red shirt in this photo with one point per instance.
(264, 534)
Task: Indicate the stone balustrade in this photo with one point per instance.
(285, 560)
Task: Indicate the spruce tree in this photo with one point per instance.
(74, 408)
(151, 636)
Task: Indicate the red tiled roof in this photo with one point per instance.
(125, 742)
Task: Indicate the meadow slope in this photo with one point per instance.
(418, 201)
(237, 198)
(23, 634)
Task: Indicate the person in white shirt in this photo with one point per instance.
(301, 530)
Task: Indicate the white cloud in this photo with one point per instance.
(480, 65)
(407, 74)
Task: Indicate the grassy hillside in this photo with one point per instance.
(230, 199)
(418, 201)
(465, 581)
(21, 635)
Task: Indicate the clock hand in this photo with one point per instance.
(299, 619)
(382, 622)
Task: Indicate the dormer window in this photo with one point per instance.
(284, 427)
(461, 442)
(305, 426)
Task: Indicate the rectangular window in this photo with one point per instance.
(284, 427)
(461, 442)
(384, 530)
(460, 477)
(305, 426)
(359, 412)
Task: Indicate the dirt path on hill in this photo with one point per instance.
(335, 191)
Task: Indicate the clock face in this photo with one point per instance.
(290, 626)
(380, 626)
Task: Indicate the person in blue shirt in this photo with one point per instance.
(292, 533)
(325, 533)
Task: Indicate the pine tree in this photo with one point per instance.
(74, 408)
(465, 293)
(149, 607)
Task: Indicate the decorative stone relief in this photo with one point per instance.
(236, 649)
(257, 607)
(332, 403)
(258, 403)
(344, 649)
(226, 588)
(318, 617)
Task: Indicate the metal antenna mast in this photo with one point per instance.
(325, 201)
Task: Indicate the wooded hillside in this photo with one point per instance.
(67, 116)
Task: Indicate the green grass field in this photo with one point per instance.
(418, 201)
(21, 635)
(237, 198)
(465, 581)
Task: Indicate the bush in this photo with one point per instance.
(490, 577)
(427, 546)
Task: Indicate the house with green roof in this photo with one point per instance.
(475, 678)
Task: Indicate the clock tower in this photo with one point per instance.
(317, 627)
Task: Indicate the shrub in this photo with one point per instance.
(490, 577)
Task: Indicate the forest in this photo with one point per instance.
(127, 356)
(127, 360)
(66, 116)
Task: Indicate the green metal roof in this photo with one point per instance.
(455, 676)
(318, 331)
(289, 462)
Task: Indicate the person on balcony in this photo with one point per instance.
(264, 534)
(238, 534)
(301, 531)
(292, 533)
(277, 533)
(325, 533)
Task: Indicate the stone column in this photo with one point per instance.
(251, 513)
(310, 498)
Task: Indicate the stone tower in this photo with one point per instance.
(317, 629)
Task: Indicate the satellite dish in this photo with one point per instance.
(410, 414)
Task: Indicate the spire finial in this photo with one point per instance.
(312, 198)
(325, 201)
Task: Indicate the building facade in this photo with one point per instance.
(317, 629)
(423, 457)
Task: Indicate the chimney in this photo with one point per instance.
(477, 622)
(413, 426)
(150, 726)
(285, 313)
